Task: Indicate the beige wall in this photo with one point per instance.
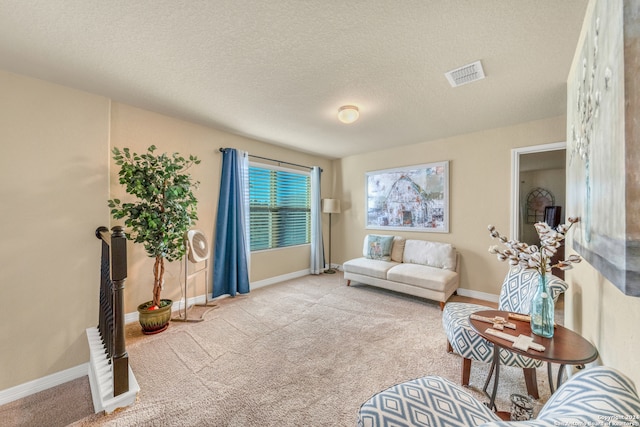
(53, 184)
(606, 317)
(480, 183)
(138, 129)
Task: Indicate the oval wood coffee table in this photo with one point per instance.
(564, 348)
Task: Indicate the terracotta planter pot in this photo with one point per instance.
(154, 321)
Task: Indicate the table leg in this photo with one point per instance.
(558, 380)
(560, 376)
(495, 367)
(486, 382)
(550, 375)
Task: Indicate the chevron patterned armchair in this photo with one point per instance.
(598, 396)
(517, 290)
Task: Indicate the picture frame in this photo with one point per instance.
(411, 198)
(603, 150)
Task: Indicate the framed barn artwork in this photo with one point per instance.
(412, 198)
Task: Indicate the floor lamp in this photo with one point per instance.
(330, 206)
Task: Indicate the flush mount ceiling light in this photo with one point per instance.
(348, 113)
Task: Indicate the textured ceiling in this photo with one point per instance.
(278, 70)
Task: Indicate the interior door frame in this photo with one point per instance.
(515, 179)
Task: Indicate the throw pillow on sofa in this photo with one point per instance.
(432, 254)
(397, 249)
(378, 247)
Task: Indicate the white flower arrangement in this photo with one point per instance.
(532, 256)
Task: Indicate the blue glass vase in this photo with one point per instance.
(542, 309)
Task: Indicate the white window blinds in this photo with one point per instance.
(279, 207)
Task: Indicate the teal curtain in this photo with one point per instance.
(231, 251)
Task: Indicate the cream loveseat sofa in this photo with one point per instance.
(416, 267)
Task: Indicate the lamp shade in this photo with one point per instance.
(331, 206)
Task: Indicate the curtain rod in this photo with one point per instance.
(274, 160)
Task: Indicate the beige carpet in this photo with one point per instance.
(303, 352)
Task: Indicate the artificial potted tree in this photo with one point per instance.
(163, 211)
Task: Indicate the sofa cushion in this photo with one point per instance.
(432, 254)
(592, 397)
(397, 250)
(422, 276)
(369, 267)
(427, 401)
(377, 247)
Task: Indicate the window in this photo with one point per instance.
(279, 207)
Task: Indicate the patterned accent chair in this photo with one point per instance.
(517, 290)
(598, 396)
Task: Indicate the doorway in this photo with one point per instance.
(538, 179)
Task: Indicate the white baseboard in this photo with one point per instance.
(478, 295)
(177, 305)
(278, 279)
(131, 317)
(201, 299)
(44, 383)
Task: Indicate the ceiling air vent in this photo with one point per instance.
(466, 74)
